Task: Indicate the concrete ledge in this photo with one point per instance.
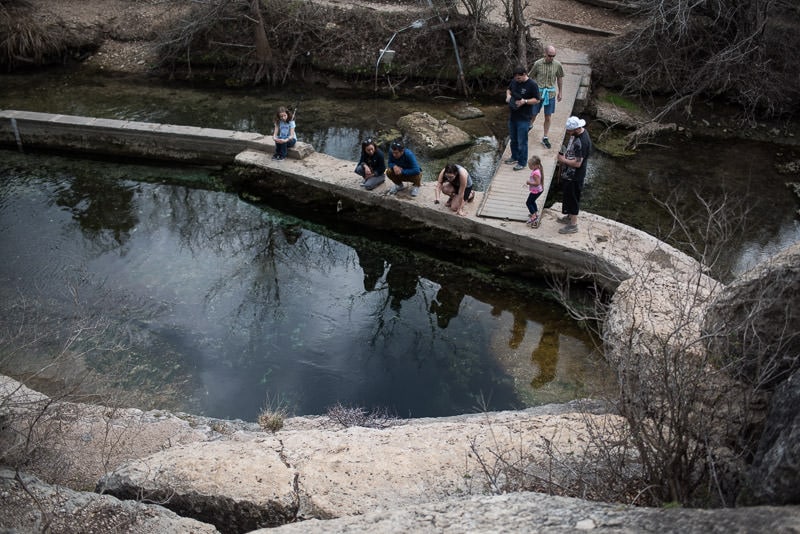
(110, 137)
(605, 250)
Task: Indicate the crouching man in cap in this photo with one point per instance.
(573, 161)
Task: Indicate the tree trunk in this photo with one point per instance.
(263, 50)
(521, 31)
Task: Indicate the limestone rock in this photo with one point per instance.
(431, 136)
(464, 112)
(754, 326)
(656, 305)
(546, 514)
(80, 441)
(253, 480)
(29, 508)
(236, 486)
(776, 467)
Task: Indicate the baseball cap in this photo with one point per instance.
(573, 123)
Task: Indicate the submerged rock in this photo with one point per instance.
(464, 112)
(431, 136)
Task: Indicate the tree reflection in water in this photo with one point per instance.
(227, 303)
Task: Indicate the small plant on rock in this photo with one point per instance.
(273, 414)
(357, 416)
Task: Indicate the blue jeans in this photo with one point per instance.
(518, 132)
(282, 148)
(531, 202)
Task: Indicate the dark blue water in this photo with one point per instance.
(118, 284)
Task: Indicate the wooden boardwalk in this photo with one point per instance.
(507, 191)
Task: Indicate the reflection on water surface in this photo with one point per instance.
(210, 305)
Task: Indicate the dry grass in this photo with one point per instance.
(356, 416)
(273, 414)
(27, 42)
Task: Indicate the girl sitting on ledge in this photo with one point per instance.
(283, 134)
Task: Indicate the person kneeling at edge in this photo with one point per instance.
(403, 167)
(573, 173)
(371, 166)
(455, 182)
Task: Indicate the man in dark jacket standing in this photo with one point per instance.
(521, 95)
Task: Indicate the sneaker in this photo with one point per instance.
(414, 191)
(395, 188)
(509, 161)
(533, 222)
(564, 220)
(568, 229)
(518, 167)
(275, 156)
(546, 142)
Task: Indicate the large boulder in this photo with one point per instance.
(754, 324)
(431, 136)
(753, 329)
(772, 478)
(236, 486)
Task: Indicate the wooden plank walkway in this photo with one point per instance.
(507, 191)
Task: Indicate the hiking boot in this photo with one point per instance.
(518, 167)
(395, 188)
(509, 161)
(568, 229)
(564, 220)
(546, 142)
(414, 191)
